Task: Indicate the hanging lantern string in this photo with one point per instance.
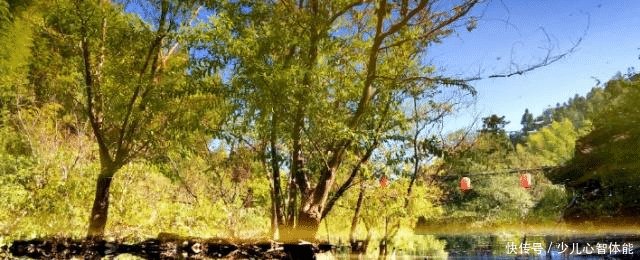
(447, 177)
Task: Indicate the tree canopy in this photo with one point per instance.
(603, 171)
(221, 117)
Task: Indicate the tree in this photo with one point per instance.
(493, 165)
(424, 119)
(553, 144)
(322, 97)
(604, 170)
(494, 124)
(527, 122)
(133, 85)
(389, 210)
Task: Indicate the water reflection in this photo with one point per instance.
(516, 246)
(542, 246)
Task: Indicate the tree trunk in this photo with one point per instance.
(356, 213)
(416, 154)
(312, 204)
(307, 226)
(292, 202)
(278, 218)
(100, 210)
(287, 232)
(385, 240)
(382, 253)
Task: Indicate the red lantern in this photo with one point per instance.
(525, 180)
(465, 184)
(384, 181)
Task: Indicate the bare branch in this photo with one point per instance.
(548, 59)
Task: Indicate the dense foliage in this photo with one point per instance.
(281, 119)
(603, 174)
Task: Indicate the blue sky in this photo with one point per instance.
(510, 30)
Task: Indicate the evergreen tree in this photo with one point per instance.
(494, 124)
(527, 122)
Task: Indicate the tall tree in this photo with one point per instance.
(133, 87)
(323, 81)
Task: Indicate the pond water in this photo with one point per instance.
(551, 246)
(494, 246)
(510, 246)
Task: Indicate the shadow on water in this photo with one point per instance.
(163, 247)
(457, 246)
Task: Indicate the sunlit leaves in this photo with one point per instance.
(553, 144)
(603, 173)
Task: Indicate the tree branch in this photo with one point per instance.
(397, 26)
(548, 60)
(348, 7)
(460, 11)
(94, 116)
(126, 130)
(364, 159)
(347, 184)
